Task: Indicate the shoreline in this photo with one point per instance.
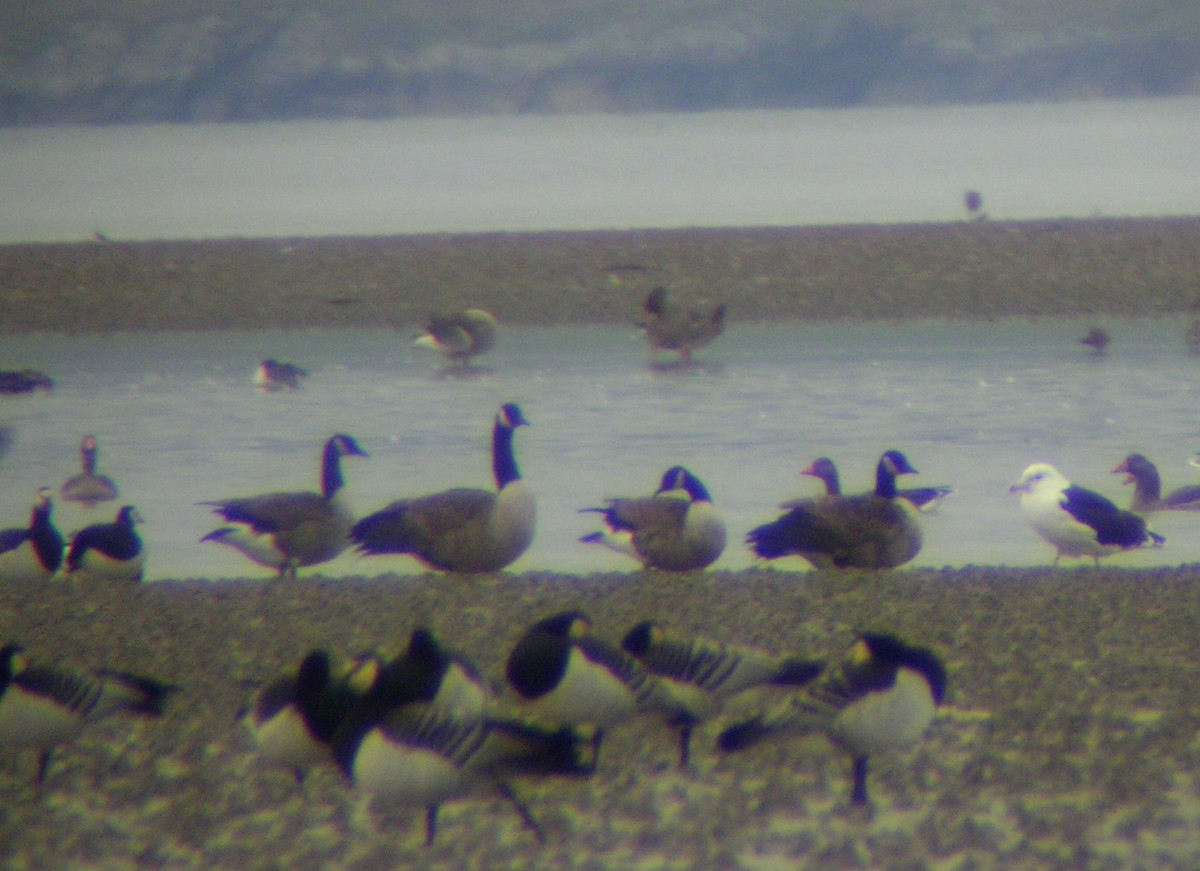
(982, 269)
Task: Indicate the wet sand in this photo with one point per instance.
(981, 269)
(1069, 735)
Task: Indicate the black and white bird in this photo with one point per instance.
(702, 674)
(461, 530)
(36, 552)
(562, 673)
(271, 375)
(824, 470)
(289, 530)
(672, 326)
(874, 530)
(108, 551)
(293, 718)
(882, 695)
(677, 529)
(459, 336)
(1078, 522)
(42, 706)
(1147, 488)
(89, 486)
(423, 735)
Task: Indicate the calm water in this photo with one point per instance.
(971, 403)
(601, 171)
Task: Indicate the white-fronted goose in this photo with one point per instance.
(881, 696)
(1147, 488)
(42, 707)
(458, 336)
(461, 530)
(671, 326)
(34, 553)
(676, 530)
(288, 530)
(872, 530)
(108, 551)
(89, 486)
(1078, 522)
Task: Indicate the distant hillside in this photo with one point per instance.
(103, 61)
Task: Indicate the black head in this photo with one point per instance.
(897, 463)
(344, 446)
(679, 478)
(128, 516)
(638, 640)
(889, 651)
(510, 416)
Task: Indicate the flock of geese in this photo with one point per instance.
(425, 727)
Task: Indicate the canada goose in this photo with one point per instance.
(670, 326)
(1147, 490)
(272, 375)
(1078, 522)
(25, 381)
(701, 673)
(824, 470)
(285, 531)
(868, 531)
(458, 336)
(108, 551)
(34, 553)
(677, 529)
(42, 707)
(88, 487)
(461, 530)
(881, 696)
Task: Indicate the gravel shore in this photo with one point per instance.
(970, 270)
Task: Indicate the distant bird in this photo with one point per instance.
(671, 326)
(881, 696)
(562, 673)
(89, 486)
(25, 381)
(1191, 337)
(973, 202)
(272, 375)
(422, 736)
(702, 673)
(42, 707)
(1076, 521)
(1097, 339)
(872, 530)
(461, 530)
(294, 717)
(677, 529)
(458, 336)
(34, 553)
(1147, 489)
(288, 530)
(823, 469)
(108, 551)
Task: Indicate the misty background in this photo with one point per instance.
(125, 61)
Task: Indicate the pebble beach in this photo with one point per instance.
(1069, 734)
